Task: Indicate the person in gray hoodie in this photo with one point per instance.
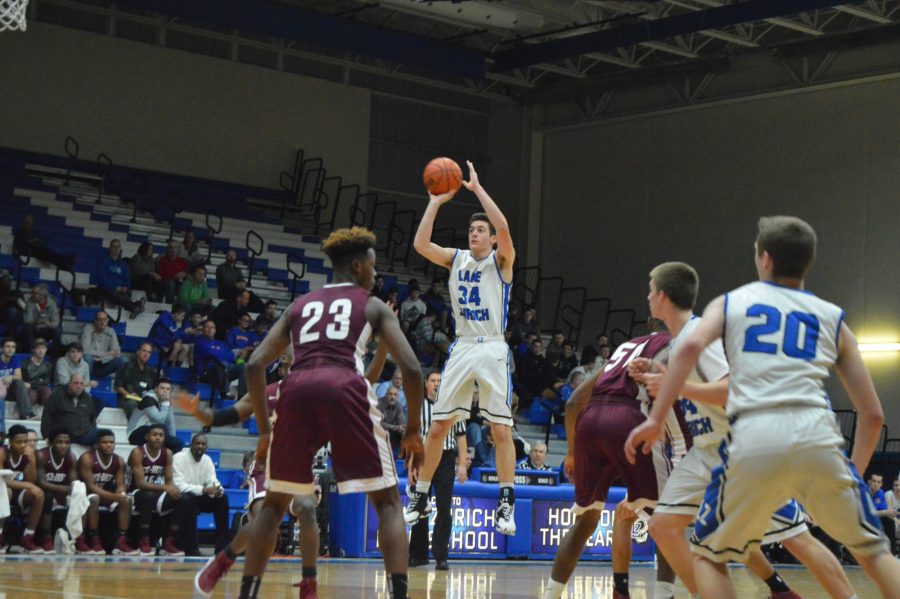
(155, 408)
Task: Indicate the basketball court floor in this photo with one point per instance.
(70, 577)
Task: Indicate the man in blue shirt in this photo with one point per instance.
(11, 386)
(114, 280)
(214, 362)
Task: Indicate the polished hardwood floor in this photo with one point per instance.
(70, 577)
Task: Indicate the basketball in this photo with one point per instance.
(442, 175)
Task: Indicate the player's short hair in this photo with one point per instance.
(57, 431)
(153, 427)
(8, 340)
(791, 243)
(346, 245)
(679, 281)
(16, 430)
(105, 432)
(483, 217)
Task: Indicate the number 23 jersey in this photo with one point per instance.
(479, 295)
(781, 343)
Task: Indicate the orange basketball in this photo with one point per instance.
(442, 175)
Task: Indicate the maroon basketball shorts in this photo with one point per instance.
(256, 485)
(324, 404)
(600, 435)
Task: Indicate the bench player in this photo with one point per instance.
(480, 281)
(25, 495)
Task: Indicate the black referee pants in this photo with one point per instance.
(442, 489)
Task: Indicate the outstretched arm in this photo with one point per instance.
(576, 403)
(506, 252)
(427, 249)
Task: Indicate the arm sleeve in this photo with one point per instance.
(85, 339)
(209, 471)
(103, 277)
(180, 475)
(30, 313)
(62, 372)
(53, 314)
(114, 342)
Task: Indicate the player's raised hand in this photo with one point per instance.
(412, 451)
(472, 184)
(444, 197)
(569, 466)
(188, 403)
(642, 437)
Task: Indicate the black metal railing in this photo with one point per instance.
(140, 192)
(65, 291)
(595, 317)
(547, 302)
(331, 190)
(71, 148)
(104, 169)
(174, 199)
(621, 320)
(253, 251)
(400, 237)
(21, 262)
(525, 283)
(214, 226)
(294, 261)
(571, 300)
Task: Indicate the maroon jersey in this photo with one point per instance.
(329, 328)
(104, 473)
(154, 466)
(16, 465)
(57, 473)
(615, 382)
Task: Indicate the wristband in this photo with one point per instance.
(225, 417)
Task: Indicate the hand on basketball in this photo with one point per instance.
(472, 184)
(648, 433)
(444, 197)
(412, 451)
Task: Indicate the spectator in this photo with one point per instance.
(191, 333)
(101, 347)
(591, 351)
(576, 377)
(431, 341)
(228, 312)
(31, 438)
(168, 333)
(195, 476)
(393, 420)
(135, 378)
(72, 363)
(24, 491)
(475, 422)
(893, 501)
(413, 308)
(528, 323)
(535, 372)
(143, 271)
(601, 360)
(37, 373)
(536, 457)
(566, 362)
(884, 512)
(555, 347)
(269, 315)
(12, 388)
(41, 317)
(378, 289)
(486, 451)
(214, 362)
(114, 280)
(189, 249)
(514, 326)
(28, 242)
(397, 383)
(392, 301)
(72, 410)
(155, 409)
(194, 293)
(172, 270)
(434, 299)
(230, 281)
(11, 304)
(241, 338)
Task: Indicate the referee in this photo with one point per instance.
(441, 486)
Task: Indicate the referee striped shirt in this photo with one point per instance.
(458, 430)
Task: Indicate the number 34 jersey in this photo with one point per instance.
(781, 343)
(479, 295)
(329, 327)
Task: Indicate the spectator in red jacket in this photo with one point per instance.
(172, 270)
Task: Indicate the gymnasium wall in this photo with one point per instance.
(619, 198)
(174, 111)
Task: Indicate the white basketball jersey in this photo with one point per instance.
(781, 343)
(707, 424)
(479, 295)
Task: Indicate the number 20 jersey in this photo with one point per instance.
(780, 343)
(479, 295)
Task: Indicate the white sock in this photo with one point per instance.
(422, 486)
(554, 589)
(664, 590)
(28, 531)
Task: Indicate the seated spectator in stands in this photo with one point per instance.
(378, 290)
(172, 270)
(26, 498)
(260, 330)
(600, 361)
(397, 383)
(434, 299)
(37, 374)
(535, 459)
(230, 281)
(893, 501)
(430, 340)
(114, 280)
(31, 438)
(12, 388)
(228, 312)
(189, 249)
(214, 362)
(576, 377)
(241, 338)
(41, 317)
(392, 301)
(155, 408)
(566, 362)
(103, 473)
(27, 241)
(486, 451)
(143, 272)
(590, 352)
(135, 378)
(393, 420)
(413, 308)
(555, 346)
(269, 315)
(194, 292)
(195, 476)
(11, 305)
(72, 363)
(528, 324)
(192, 332)
(101, 347)
(475, 422)
(534, 371)
(169, 334)
(524, 347)
(884, 512)
(72, 410)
